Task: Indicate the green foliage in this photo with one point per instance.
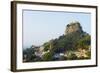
(46, 46)
(84, 42)
(47, 56)
(88, 54)
(71, 41)
(29, 54)
(66, 42)
(72, 57)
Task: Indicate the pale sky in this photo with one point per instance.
(42, 26)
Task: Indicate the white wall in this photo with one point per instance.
(5, 37)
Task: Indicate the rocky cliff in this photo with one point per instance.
(73, 27)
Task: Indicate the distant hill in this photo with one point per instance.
(68, 41)
(73, 44)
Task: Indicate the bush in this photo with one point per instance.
(72, 57)
(47, 56)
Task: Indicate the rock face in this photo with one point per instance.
(73, 27)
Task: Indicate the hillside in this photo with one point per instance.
(74, 44)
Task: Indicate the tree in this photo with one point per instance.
(47, 56)
(84, 43)
(46, 46)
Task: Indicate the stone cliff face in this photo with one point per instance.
(73, 27)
